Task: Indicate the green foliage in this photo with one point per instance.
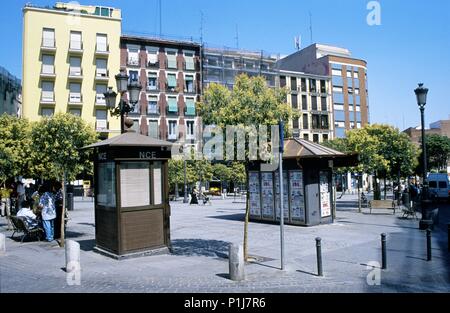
(438, 151)
(15, 144)
(56, 146)
(222, 172)
(238, 173)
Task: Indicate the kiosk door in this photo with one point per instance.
(312, 199)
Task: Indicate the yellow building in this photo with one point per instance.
(71, 54)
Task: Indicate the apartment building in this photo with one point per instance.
(350, 95)
(310, 96)
(10, 93)
(223, 65)
(70, 55)
(170, 74)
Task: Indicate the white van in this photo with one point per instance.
(439, 185)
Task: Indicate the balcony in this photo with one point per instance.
(48, 45)
(100, 100)
(48, 71)
(153, 64)
(101, 125)
(75, 98)
(171, 136)
(153, 110)
(133, 62)
(75, 73)
(102, 74)
(76, 47)
(152, 88)
(48, 98)
(102, 50)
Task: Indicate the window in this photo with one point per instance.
(335, 66)
(102, 69)
(339, 107)
(350, 100)
(102, 43)
(75, 66)
(190, 84)
(339, 115)
(356, 91)
(323, 86)
(134, 76)
(442, 184)
(315, 138)
(303, 83)
(356, 85)
(171, 82)
(212, 60)
(189, 129)
(336, 72)
(48, 66)
(171, 59)
(314, 103)
(102, 11)
(189, 60)
(293, 83)
(338, 89)
(101, 115)
(338, 81)
(340, 132)
(315, 121)
(228, 63)
(48, 38)
(152, 56)
(294, 101)
(152, 81)
(153, 129)
(358, 116)
(75, 41)
(306, 137)
(295, 123)
(349, 74)
(173, 107)
(323, 102)
(172, 130)
(75, 93)
(325, 137)
(47, 112)
(133, 55)
(324, 122)
(100, 97)
(282, 81)
(338, 98)
(76, 112)
(48, 94)
(350, 82)
(152, 107)
(190, 106)
(305, 121)
(304, 103)
(312, 85)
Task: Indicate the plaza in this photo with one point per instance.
(201, 235)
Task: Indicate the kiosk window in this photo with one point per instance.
(134, 184)
(106, 195)
(157, 183)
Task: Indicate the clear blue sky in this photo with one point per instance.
(412, 45)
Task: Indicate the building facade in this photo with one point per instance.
(221, 66)
(170, 74)
(70, 56)
(310, 96)
(350, 95)
(10, 93)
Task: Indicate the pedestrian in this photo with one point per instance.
(47, 205)
(30, 218)
(20, 194)
(194, 199)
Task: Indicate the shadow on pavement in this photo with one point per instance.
(87, 245)
(399, 226)
(200, 247)
(233, 217)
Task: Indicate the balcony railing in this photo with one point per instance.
(102, 125)
(133, 62)
(100, 99)
(48, 97)
(152, 88)
(153, 65)
(75, 98)
(76, 46)
(153, 110)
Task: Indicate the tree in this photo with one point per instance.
(15, 144)
(438, 151)
(57, 143)
(250, 103)
(223, 173)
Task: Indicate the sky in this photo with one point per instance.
(411, 45)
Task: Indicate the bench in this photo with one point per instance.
(409, 211)
(382, 204)
(21, 226)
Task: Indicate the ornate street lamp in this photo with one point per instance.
(134, 90)
(421, 94)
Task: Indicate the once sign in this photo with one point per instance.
(147, 155)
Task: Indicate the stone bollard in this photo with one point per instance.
(236, 262)
(2, 244)
(72, 255)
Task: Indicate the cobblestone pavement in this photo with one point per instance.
(201, 236)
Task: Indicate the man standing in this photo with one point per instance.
(20, 194)
(47, 204)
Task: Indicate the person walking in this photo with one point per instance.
(47, 205)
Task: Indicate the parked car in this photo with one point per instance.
(439, 185)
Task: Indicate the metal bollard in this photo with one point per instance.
(319, 256)
(428, 244)
(383, 252)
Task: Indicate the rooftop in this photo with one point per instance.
(75, 8)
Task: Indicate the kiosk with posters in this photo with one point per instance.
(132, 212)
(307, 179)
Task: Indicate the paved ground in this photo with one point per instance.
(201, 236)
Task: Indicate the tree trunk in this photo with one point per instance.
(177, 193)
(63, 213)
(385, 188)
(247, 216)
(359, 193)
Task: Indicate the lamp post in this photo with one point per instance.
(421, 94)
(185, 200)
(134, 88)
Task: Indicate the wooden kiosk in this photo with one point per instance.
(132, 211)
(307, 185)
